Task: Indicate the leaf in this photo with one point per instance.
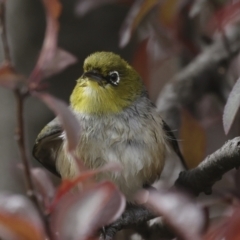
(68, 184)
(197, 7)
(193, 138)
(231, 107)
(19, 217)
(140, 62)
(44, 186)
(68, 120)
(52, 59)
(61, 60)
(228, 228)
(18, 228)
(138, 11)
(85, 6)
(79, 215)
(228, 14)
(184, 216)
(168, 12)
(9, 78)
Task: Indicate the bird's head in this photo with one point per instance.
(108, 85)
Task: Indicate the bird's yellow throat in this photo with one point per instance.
(90, 98)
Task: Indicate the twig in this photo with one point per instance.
(201, 76)
(6, 50)
(20, 96)
(211, 170)
(22, 148)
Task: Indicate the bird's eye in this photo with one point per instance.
(114, 77)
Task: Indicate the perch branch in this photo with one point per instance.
(195, 181)
(202, 178)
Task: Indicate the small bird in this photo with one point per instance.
(119, 123)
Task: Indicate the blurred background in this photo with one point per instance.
(159, 38)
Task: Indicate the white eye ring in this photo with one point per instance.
(114, 77)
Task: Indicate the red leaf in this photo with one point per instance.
(78, 216)
(180, 212)
(138, 11)
(19, 216)
(61, 60)
(226, 15)
(44, 185)
(231, 107)
(9, 78)
(85, 6)
(197, 7)
(193, 140)
(68, 120)
(226, 229)
(67, 184)
(16, 228)
(52, 59)
(140, 62)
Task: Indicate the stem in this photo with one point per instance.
(22, 148)
(23, 153)
(3, 33)
(20, 96)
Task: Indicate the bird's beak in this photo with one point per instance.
(94, 75)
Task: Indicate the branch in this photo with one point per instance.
(201, 76)
(195, 181)
(22, 147)
(20, 93)
(211, 170)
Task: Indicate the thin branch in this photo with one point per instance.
(20, 95)
(20, 138)
(22, 148)
(3, 32)
(201, 76)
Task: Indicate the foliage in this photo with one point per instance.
(164, 30)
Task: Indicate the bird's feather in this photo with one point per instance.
(47, 144)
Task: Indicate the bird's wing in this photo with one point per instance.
(173, 143)
(47, 145)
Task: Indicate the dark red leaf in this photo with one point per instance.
(227, 229)
(52, 59)
(61, 60)
(140, 62)
(231, 107)
(179, 211)
(19, 217)
(197, 7)
(68, 120)
(85, 6)
(138, 11)
(226, 15)
(68, 184)
(44, 186)
(79, 215)
(13, 227)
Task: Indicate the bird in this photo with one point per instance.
(119, 123)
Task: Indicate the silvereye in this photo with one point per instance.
(119, 123)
